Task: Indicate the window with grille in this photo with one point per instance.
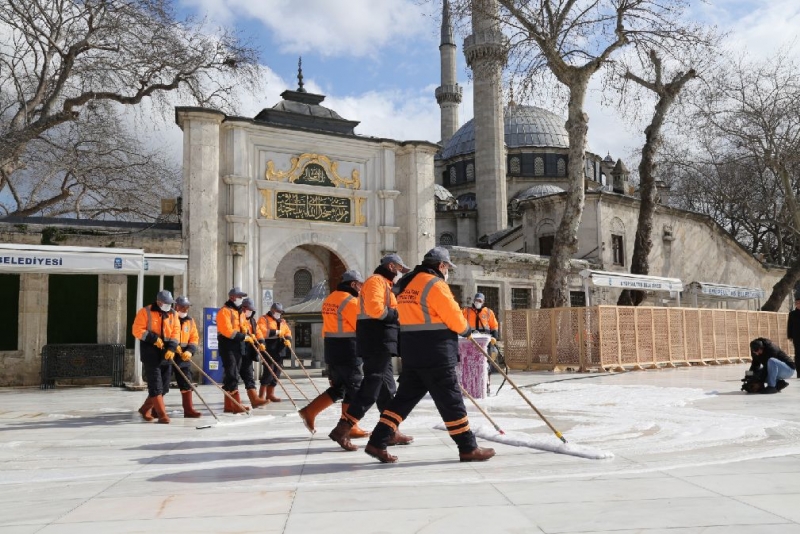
(458, 293)
(617, 249)
(546, 243)
(577, 299)
(302, 283)
(452, 175)
(492, 297)
(538, 167)
(470, 172)
(514, 166)
(447, 239)
(521, 298)
(561, 167)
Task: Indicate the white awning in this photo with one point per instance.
(64, 260)
(710, 290)
(166, 264)
(632, 281)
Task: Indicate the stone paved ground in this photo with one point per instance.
(692, 455)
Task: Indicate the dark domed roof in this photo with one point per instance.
(302, 109)
(525, 126)
(539, 190)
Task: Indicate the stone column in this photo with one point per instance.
(417, 212)
(24, 366)
(485, 51)
(201, 194)
(112, 313)
(238, 251)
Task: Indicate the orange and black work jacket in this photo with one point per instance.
(430, 321)
(229, 329)
(151, 324)
(189, 336)
(483, 321)
(377, 326)
(339, 316)
(250, 328)
(271, 332)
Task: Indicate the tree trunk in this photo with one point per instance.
(555, 293)
(783, 288)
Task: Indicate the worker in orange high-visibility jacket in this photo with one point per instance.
(189, 341)
(430, 323)
(273, 332)
(250, 328)
(482, 319)
(339, 316)
(158, 330)
(376, 345)
(232, 347)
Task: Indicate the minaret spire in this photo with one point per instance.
(448, 94)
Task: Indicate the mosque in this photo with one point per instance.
(284, 202)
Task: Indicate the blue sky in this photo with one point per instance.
(378, 60)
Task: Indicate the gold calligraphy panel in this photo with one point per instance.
(312, 207)
(313, 169)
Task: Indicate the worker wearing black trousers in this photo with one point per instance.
(232, 342)
(376, 343)
(158, 331)
(189, 340)
(430, 323)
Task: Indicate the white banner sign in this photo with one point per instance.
(733, 292)
(175, 266)
(22, 261)
(632, 283)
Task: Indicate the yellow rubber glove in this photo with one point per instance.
(287, 342)
(169, 355)
(249, 339)
(159, 343)
(186, 356)
(262, 347)
(493, 341)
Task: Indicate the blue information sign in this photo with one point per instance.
(211, 360)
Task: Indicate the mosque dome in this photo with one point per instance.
(525, 126)
(442, 194)
(538, 190)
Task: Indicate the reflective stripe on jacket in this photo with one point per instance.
(151, 323)
(339, 316)
(229, 329)
(190, 338)
(430, 321)
(377, 326)
(270, 328)
(482, 321)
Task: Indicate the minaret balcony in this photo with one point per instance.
(449, 93)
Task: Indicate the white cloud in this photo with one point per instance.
(329, 28)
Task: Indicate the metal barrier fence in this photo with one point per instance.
(71, 361)
(617, 337)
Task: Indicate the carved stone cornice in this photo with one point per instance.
(449, 93)
(488, 45)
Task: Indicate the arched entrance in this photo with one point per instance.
(302, 268)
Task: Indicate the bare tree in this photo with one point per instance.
(667, 91)
(754, 107)
(571, 41)
(59, 59)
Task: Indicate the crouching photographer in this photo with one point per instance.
(770, 358)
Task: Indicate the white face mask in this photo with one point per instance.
(248, 313)
(183, 315)
(478, 305)
(446, 275)
(397, 277)
(276, 316)
(166, 307)
(238, 302)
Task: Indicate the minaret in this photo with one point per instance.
(448, 95)
(486, 51)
